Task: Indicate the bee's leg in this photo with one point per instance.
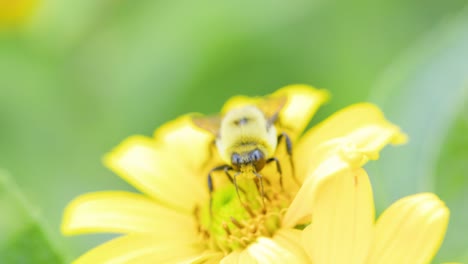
(231, 179)
(210, 182)
(260, 178)
(267, 181)
(226, 171)
(289, 151)
(234, 181)
(278, 168)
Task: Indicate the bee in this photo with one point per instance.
(246, 139)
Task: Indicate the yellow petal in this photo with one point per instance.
(207, 257)
(410, 231)
(186, 144)
(138, 161)
(300, 207)
(138, 248)
(13, 13)
(238, 257)
(351, 151)
(303, 101)
(342, 222)
(282, 248)
(361, 127)
(291, 239)
(124, 212)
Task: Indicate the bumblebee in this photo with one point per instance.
(246, 139)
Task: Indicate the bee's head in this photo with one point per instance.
(254, 158)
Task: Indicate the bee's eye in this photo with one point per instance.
(258, 159)
(235, 159)
(256, 155)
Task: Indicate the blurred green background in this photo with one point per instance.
(77, 77)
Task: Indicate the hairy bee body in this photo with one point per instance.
(246, 139)
(242, 131)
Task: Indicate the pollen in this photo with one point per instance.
(237, 222)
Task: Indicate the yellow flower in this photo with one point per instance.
(343, 229)
(14, 12)
(171, 222)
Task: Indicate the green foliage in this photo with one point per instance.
(426, 92)
(83, 75)
(451, 183)
(24, 239)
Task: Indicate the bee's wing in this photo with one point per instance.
(271, 106)
(209, 123)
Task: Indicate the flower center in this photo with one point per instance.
(237, 220)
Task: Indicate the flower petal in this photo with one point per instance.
(138, 161)
(284, 247)
(361, 126)
(138, 248)
(14, 13)
(300, 208)
(186, 143)
(207, 257)
(410, 231)
(303, 101)
(291, 239)
(238, 257)
(124, 212)
(342, 224)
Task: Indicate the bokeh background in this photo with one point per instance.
(77, 77)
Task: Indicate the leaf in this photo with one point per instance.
(426, 93)
(451, 182)
(23, 236)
